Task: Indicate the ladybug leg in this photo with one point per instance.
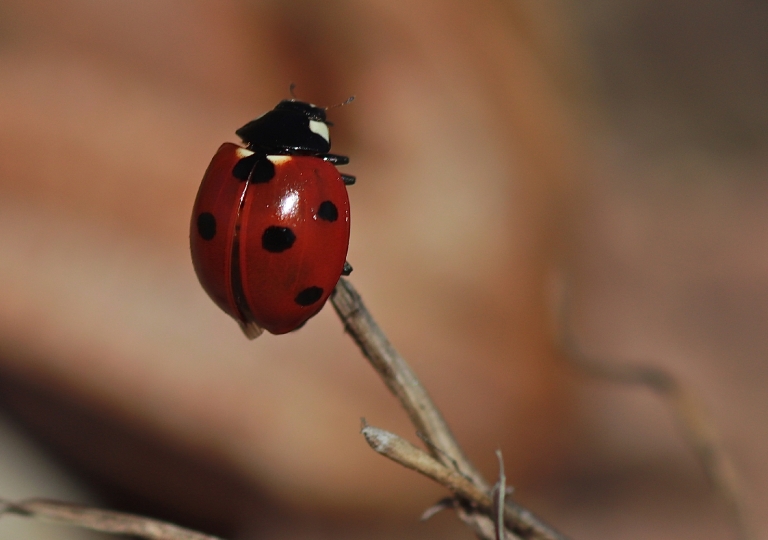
(250, 329)
(348, 179)
(347, 269)
(335, 159)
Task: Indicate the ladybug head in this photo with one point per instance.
(292, 127)
(313, 112)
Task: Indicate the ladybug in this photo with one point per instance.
(270, 225)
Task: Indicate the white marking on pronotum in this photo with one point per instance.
(277, 160)
(321, 128)
(243, 152)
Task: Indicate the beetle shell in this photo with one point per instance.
(269, 236)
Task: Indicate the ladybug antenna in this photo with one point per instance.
(349, 100)
(291, 88)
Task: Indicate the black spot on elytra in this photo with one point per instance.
(277, 239)
(264, 171)
(244, 166)
(255, 166)
(327, 211)
(206, 226)
(308, 296)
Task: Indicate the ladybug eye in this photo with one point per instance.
(321, 128)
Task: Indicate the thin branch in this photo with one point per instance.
(695, 424)
(519, 522)
(474, 504)
(101, 520)
(406, 454)
(401, 380)
(692, 418)
(447, 465)
(499, 494)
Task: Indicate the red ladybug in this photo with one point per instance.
(270, 225)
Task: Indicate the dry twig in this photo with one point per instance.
(448, 463)
(101, 520)
(499, 495)
(697, 427)
(695, 424)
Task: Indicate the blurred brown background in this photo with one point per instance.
(498, 146)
